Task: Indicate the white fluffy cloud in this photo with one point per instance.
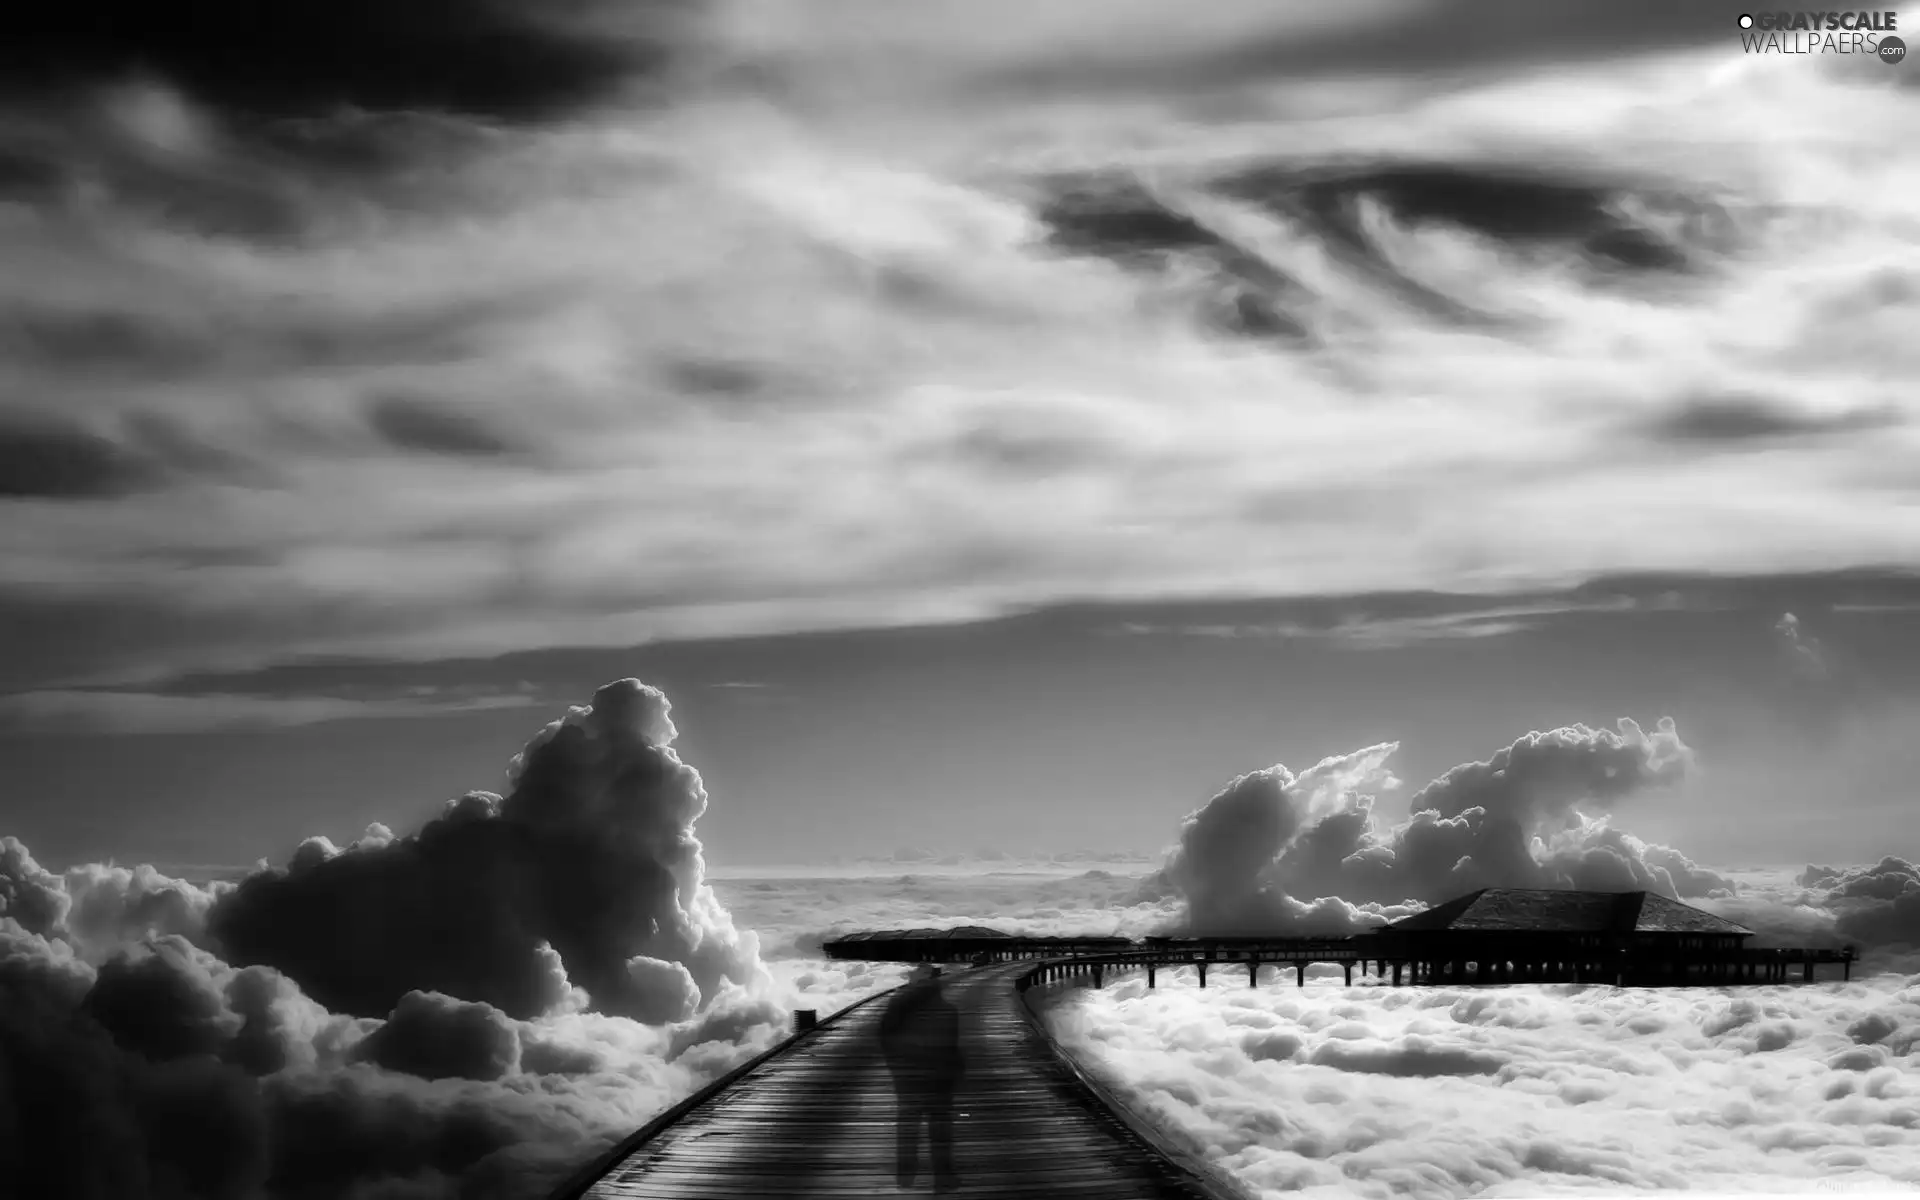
(472, 1008)
(1279, 852)
(1437, 1093)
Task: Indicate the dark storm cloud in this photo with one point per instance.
(487, 57)
(1734, 420)
(410, 423)
(45, 457)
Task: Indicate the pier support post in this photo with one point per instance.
(1846, 970)
(1149, 974)
(1299, 974)
(1396, 974)
(1253, 972)
(1096, 975)
(1806, 971)
(1348, 968)
(1203, 972)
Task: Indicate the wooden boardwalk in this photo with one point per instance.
(822, 1117)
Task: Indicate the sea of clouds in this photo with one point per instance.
(479, 1005)
(1431, 1093)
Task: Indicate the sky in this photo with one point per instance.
(1088, 729)
(908, 391)
(650, 484)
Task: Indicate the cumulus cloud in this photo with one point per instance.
(1274, 851)
(589, 860)
(1442, 1092)
(469, 1009)
(1876, 905)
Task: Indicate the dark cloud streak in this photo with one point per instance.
(412, 424)
(42, 457)
(1738, 420)
(305, 57)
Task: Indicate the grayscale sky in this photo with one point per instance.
(993, 424)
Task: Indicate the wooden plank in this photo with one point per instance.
(823, 1119)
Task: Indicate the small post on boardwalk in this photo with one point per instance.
(805, 1019)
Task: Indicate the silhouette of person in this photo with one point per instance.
(920, 1038)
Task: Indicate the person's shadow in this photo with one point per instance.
(920, 1037)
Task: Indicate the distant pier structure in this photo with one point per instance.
(1490, 936)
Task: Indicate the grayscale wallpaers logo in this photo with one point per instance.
(1863, 33)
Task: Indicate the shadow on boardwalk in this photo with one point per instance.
(920, 1037)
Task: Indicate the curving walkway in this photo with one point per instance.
(819, 1117)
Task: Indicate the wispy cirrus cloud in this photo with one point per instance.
(1384, 632)
(99, 710)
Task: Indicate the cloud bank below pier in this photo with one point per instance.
(473, 1007)
(1441, 1093)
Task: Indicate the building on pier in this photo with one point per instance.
(1555, 933)
(1494, 935)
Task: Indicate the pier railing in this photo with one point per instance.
(1212, 1182)
(1453, 958)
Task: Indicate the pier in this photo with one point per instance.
(819, 1114)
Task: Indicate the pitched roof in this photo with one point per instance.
(1559, 910)
(1661, 915)
(888, 935)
